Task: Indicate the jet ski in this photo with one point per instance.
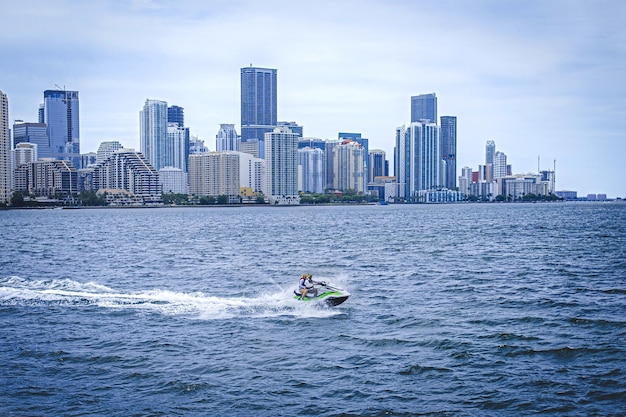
(326, 293)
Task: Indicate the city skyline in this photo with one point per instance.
(541, 79)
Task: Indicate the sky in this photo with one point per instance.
(544, 79)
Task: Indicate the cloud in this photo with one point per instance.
(539, 78)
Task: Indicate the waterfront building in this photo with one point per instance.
(377, 166)
(215, 174)
(251, 173)
(258, 104)
(6, 169)
(176, 114)
(227, 138)
(418, 159)
(311, 171)
(61, 116)
(36, 133)
(448, 150)
(424, 107)
(349, 167)
(465, 180)
(47, 178)
(567, 194)
(356, 137)
(281, 156)
(439, 196)
(153, 132)
(106, 149)
(329, 155)
(516, 187)
(24, 153)
(127, 169)
(490, 152)
(383, 187)
(173, 180)
(293, 126)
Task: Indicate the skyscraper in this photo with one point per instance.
(490, 151)
(5, 150)
(377, 164)
(424, 107)
(258, 104)
(60, 114)
(153, 132)
(35, 133)
(176, 114)
(349, 166)
(281, 156)
(418, 159)
(227, 138)
(448, 150)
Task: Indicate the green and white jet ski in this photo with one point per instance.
(326, 293)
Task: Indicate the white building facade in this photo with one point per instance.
(281, 158)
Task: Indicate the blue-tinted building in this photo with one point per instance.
(424, 107)
(293, 126)
(60, 113)
(258, 104)
(448, 150)
(176, 114)
(37, 133)
(153, 132)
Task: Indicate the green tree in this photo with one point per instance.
(222, 199)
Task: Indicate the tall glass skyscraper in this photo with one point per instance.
(5, 150)
(258, 104)
(60, 113)
(448, 150)
(418, 159)
(153, 132)
(424, 107)
(176, 114)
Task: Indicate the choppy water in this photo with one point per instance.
(478, 309)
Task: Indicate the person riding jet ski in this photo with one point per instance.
(307, 285)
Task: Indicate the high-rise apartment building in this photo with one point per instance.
(129, 170)
(251, 172)
(47, 178)
(448, 150)
(177, 147)
(215, 174)
(418, 159)
(6, 171)
(106, 149)
(24, 153)
(227, 138)
(424, 107)
(60, 114)
(499, 165)
(258, 104)
(153, 132)
(173, 180)
(312, 170)
(349, 166)
(281, 156)
(377, 164)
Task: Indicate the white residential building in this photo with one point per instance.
(281, 158)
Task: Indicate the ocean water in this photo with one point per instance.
(456, 310)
